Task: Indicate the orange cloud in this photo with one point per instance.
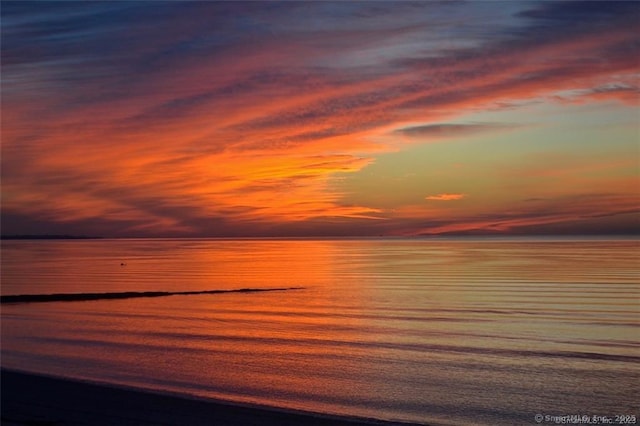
(444, 197)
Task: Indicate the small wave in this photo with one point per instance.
(81, 297)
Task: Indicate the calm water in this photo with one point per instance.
(430, 331)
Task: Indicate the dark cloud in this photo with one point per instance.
(446, 130)
(579, 13)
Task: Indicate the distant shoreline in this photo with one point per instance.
(435, 237)
(48, 237)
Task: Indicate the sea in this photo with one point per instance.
(493, 331)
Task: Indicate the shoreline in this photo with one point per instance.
(33, 399)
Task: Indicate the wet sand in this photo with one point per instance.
(34, 400)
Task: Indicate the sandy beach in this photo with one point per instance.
(29, 399)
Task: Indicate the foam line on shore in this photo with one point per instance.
(80, 297)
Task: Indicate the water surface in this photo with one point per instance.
(428, 331)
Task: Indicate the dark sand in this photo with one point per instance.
(34, 400)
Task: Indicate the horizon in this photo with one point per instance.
(434, 237)
(320, 119)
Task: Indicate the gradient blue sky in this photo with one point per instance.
(320, 118)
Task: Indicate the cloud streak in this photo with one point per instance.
(450, 130)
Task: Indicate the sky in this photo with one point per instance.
(241, 119)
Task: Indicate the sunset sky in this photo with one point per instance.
(309, 118)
